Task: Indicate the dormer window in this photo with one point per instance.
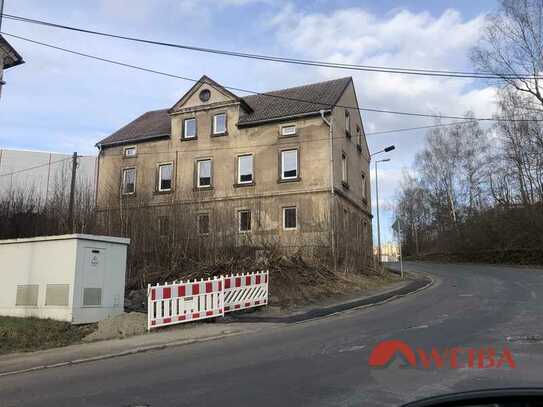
(219, 124)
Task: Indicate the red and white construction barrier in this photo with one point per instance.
(245, 291)
(179, 302)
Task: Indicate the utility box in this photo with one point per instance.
(76, 278)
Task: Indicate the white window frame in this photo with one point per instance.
(215, 132)
(126, 149)
(240, 211)
(285, 130)
(283, 164)
(285, 208)
(185, 137)
(159, 186)
(252, 168)
(198, 162)
(124, 179)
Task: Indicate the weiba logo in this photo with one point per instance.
(455, 357)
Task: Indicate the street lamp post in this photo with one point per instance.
(384, 150)
(377, 207)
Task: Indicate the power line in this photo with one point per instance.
(431, 126)
(35, 167)
(270, 58)
(327, 105)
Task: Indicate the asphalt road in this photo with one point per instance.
(325, 361)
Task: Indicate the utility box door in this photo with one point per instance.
(94, 265)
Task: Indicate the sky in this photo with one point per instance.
(64, 103)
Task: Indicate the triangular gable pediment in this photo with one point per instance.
(217, 94)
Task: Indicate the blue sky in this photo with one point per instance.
(66, 103)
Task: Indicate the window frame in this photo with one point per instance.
(240, 212)
(199, 230)
(159, 177)
(214, 133)
(344, 169)
(125, 149)
(348, 124)
(284, 210)
(287, 126)
(123, 177)
(184, 132)
(198, 161)
(282, 164)
(364, 187)
(238, 169)
(163, 226)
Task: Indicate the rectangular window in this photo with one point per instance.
(358, 135)
(344, 171)
(363, 186)
(290, 218)
(245, 169)
(347, 123)
(244, 220)
(289, 164)
(165, 172)
(288, 130)
(219, 123)
(203, 224)
(189, 128)
(129, 181)
(163, 226)
(204, 173)
(130, 152)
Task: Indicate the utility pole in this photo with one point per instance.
(400, 244)
(72, 194)
(1, 12)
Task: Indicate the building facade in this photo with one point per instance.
(289, 167)
(8, 58)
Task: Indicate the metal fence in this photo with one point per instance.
(178, 302)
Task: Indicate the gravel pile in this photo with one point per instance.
(120, 326)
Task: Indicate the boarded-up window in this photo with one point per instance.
(27, 295)
(57, 294)
(92, 296)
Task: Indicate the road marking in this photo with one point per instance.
(353, 348)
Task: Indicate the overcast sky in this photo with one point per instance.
(61, 102)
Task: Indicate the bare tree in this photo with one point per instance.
(511, 46)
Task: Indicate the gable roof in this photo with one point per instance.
(220, 88)
(277, 105)
(290, 102)
(153, 124)
(11, 57)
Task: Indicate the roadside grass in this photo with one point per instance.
(31, 334)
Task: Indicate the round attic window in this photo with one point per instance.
(205, 95)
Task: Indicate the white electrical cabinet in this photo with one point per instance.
(76, 278)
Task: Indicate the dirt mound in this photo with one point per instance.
(120, 326)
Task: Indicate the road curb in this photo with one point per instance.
(123, 353)
(414, 286)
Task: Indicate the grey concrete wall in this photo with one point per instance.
(49, 171)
